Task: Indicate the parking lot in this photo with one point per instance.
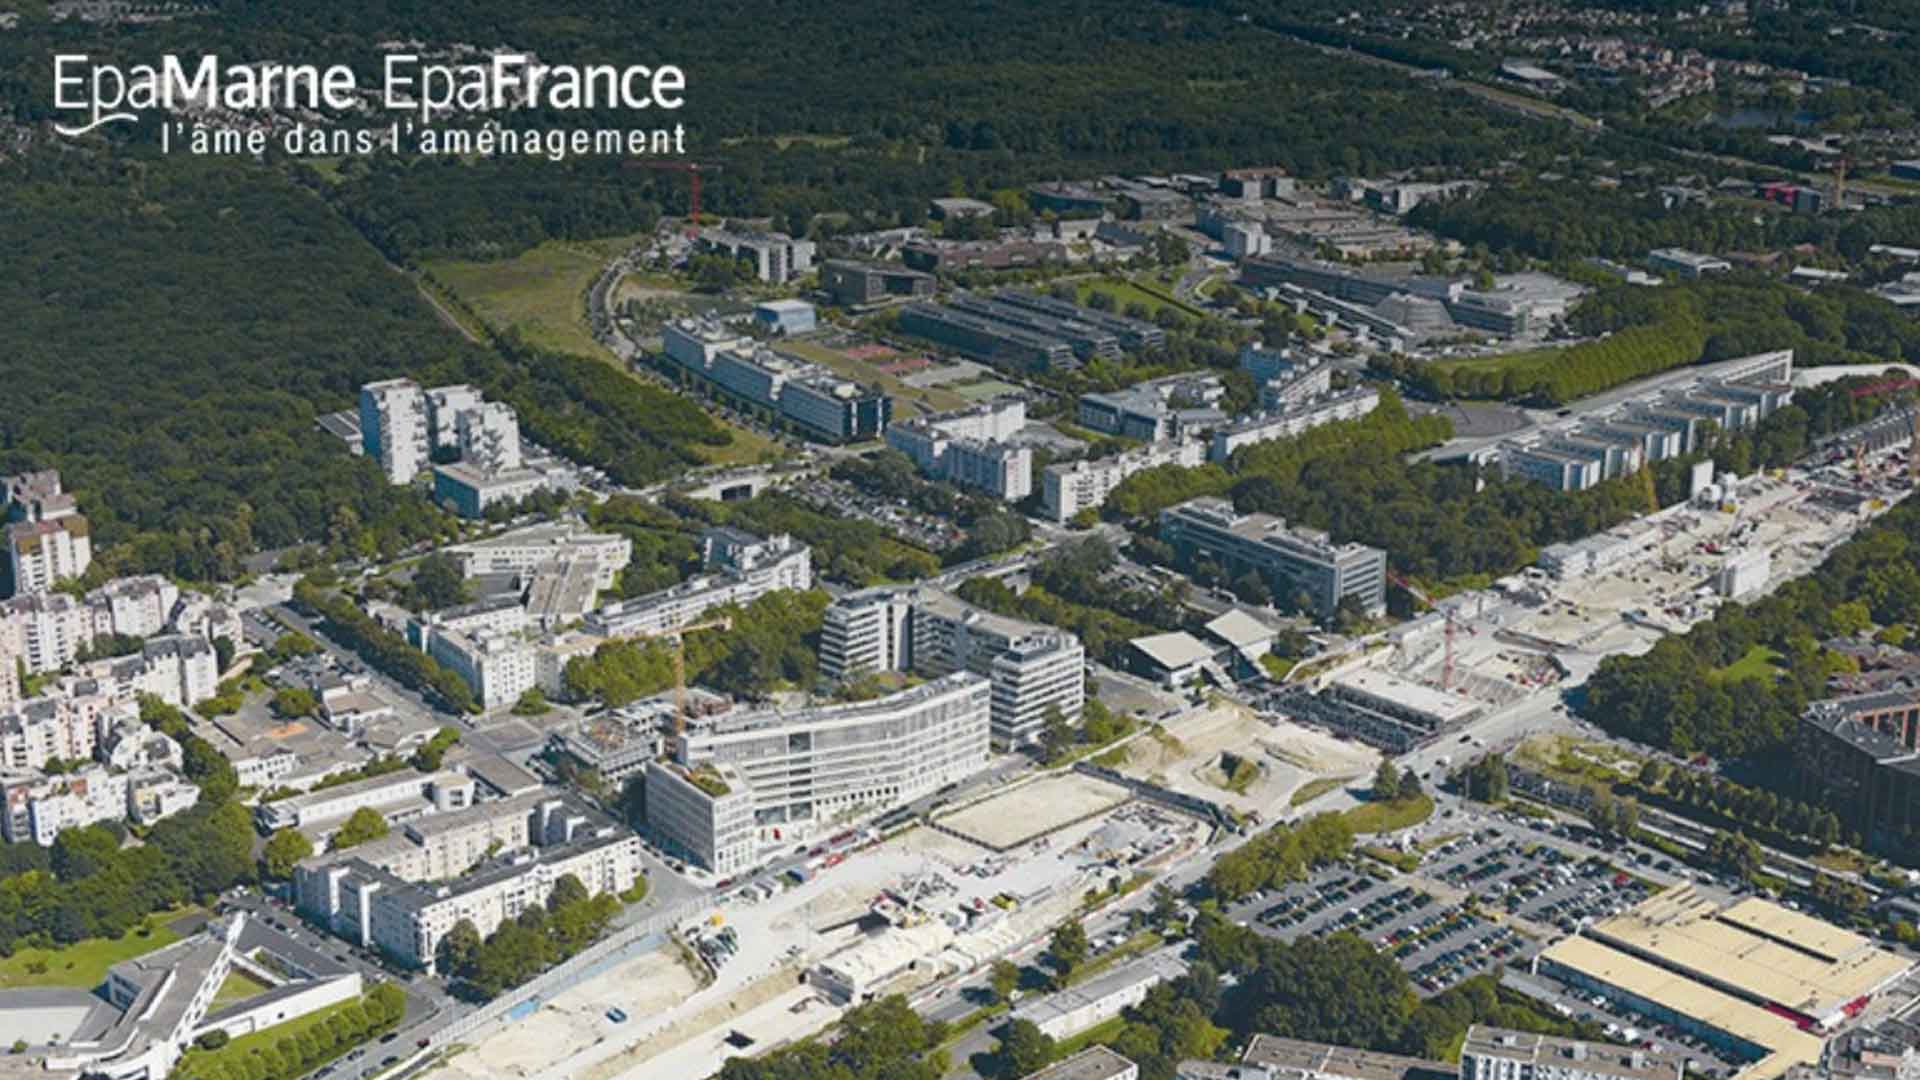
(1623, 1025)
(1533, 880)
(1437, 943)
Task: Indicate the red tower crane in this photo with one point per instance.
(693, 169)
(1446, 614)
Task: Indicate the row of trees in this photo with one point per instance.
(296, 1054)
(844, 548)
(1283, 853)
(772, 643)
(1553, 376)
(385, 649)
(524, 947)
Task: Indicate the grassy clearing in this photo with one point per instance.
(263, 1041)
(238, 987)
(1313, 789)
(908, 400)
(1126, 292)
(1277, 667)
(542, 291)
(1104, 1032)
(83, 964)
(1390, 816)
(1757, 663)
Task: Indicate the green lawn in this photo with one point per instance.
(1313, 789)
(1104, 1032)
(1125, 292)
(1758, 662)
(1386, 817)
(238, 987)
(263, 1040)
(83, 964)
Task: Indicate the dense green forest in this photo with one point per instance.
(174, 326)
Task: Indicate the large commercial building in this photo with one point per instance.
(821, 404)
(48, 540)
(1280, 1058)
(1667, 420)
(741, 568)
(1035, 670)
(1294, 562)
(1003, 344)
(971, 447)
(1499, 1054)
(1087, 341)
(1157, 410)
(790, 775)
(947, 256)
(1412, 306)
(1755, 980)
(774, 257)
(1132, 334)
(1860, 757)
(1070, 487)
(853, 284)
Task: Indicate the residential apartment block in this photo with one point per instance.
(1034, 670)
(1070, 487)
(741, 568)
(47, 538)
(1291, 417)
(791, 775)
(523, 551)
(398, 796)
(394, 430)
(1859, 756)
(1499, 1054)
(774, 257)
(1293, 561)
(971, 447)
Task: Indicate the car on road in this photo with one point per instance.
(618, 1016)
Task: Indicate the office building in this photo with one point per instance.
(855, 284)
(1257, 183)
(1687, 264)
(1034, 669)
(1003, 344)
(1246, 240)
(399, 796)
(970, 447)
(785, 316)
(1292, 417)
(794, 774)
(1133, 334)
(740, 567)
(1665, 420)
(1294, 562)
(470, 491)
(1101, 998)
(1499, 1054)
(1071, 487)
(1086, 340)
(1157, 410)
(48, 539)
(948, 256)
(773, 257)
(394, 428)
(815, 401)
(1859, 756)
(523, 551)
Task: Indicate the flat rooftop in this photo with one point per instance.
(1093, 1063)
(1757, 950)
(1551, 1052)
(1782, 1041)
(1412, 695)
(1297, 1057)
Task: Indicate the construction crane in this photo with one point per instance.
(678, 635)
(1646, 486)
(693, 169)
(1447, 617)
(1888, 386)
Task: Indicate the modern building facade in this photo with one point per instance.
(814, 769)
(817, 402)
(855, 284)
(1157, 410)
(1071, 487)
(971, 447)
(1292, 561)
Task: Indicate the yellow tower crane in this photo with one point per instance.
(678, 636)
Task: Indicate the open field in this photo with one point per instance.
(909, 401)
(1011, 819)
(985, 390)
(83, 964)
(1125, 292)
(647, 984)
(1378, 817)
(237, 987)
(1757, 663)
(542, 291)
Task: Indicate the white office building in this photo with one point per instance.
(742, 568)
(1293, 418)
(523, 551)
(816, 769)
(972, 448)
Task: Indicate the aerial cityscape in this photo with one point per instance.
(1115, 541)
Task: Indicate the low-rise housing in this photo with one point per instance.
(1157, 410)
(740, 567)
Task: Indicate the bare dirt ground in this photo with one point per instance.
(1035, 809)
(1189, 757)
